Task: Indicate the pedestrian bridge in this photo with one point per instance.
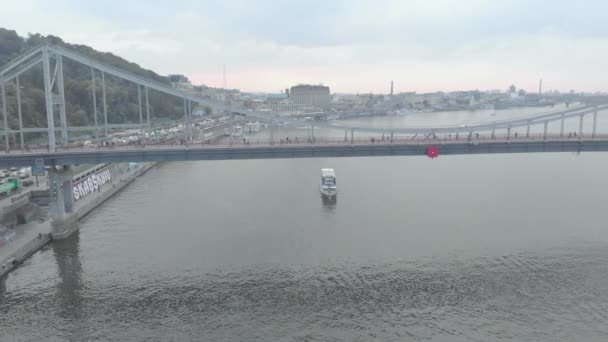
(317, 149)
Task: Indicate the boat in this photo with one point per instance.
(328, 183)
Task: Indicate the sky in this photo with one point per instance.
(353, 46)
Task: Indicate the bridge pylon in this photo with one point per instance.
(61, 205)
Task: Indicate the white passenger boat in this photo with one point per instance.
(328, 183)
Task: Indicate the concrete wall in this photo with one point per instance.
(121, 177)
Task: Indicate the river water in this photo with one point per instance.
(460, 248)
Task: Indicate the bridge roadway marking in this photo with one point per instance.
(153, 153)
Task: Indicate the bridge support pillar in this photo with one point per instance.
(594, 123)
(4, 115)
(345, 135)
(19, 114)
(62, 201)
(509, 134)
(545, 131)
(94, 90)
(141, 115)
(457, 135)
(561, 132)
(105, 105)
(528, 130)
(147, 109)
(580, 127)
(392, 136)
(48, 95)
(62, 113)
(187, 126)
(493, 132)
(190, 128)
(352, 135)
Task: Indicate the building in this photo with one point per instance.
(310, 95)
(180, 82)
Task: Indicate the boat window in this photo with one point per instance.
(329, 181)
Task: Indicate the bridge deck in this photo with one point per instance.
(318, 149)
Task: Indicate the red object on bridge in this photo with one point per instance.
(432, 152)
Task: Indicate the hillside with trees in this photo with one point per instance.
(122, 96)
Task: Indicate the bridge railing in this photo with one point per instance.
(299, 141)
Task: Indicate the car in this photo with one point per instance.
(23, 175)
(28, 182)
(14, 174)
(2, 181)
(13, 169)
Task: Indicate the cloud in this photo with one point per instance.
(353, 45)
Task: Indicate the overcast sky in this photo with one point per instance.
(350, 45)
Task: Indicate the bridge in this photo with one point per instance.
(319, 148)
(54, 90)
(544, 119)
(479, 138)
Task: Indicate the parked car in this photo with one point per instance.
(23, 175)
(28, 182)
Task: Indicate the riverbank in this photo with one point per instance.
(32, 236)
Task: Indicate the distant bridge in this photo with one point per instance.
(527, 121)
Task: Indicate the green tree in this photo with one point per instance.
(122, 96)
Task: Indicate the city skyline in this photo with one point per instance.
(354, 47)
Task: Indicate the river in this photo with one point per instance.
(460, 248)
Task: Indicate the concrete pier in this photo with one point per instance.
(32, 236)
(121, 178)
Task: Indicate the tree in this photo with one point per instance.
(10, 45)
(122, 96)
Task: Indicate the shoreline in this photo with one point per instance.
(42, 234)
